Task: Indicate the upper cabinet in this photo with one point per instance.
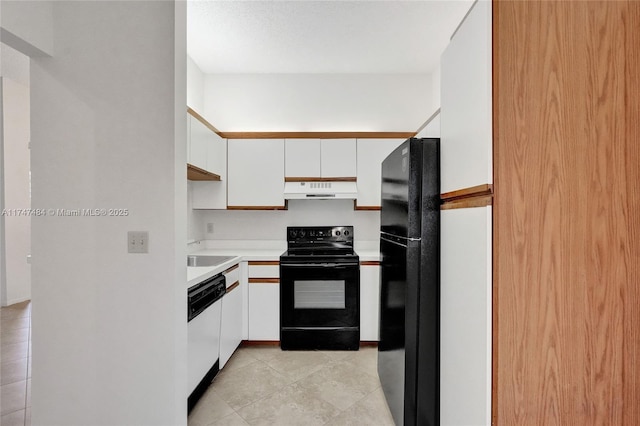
(255, 174)
(466, 103)
(338, 158)
(320, 158)
(371, 153)
(206, 155)
(302, 158)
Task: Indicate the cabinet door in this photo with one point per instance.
(264, 311)
(371, 153)
(466, 100)
(231, 328)
(338, 158)
(255, 173)
(213, 194)
(302, 157)
(200, 136)
(369, 302)
(465, 328)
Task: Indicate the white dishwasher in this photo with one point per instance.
(203, 335)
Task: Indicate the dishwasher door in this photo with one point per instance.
(203, 345)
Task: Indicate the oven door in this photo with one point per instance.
(319, 295)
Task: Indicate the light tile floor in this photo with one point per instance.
(262, 385)
(15, 365)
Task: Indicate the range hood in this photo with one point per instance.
(320, 190)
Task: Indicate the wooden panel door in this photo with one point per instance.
(566, 210)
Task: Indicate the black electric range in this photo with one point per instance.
(320, 289)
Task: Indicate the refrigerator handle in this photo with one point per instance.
(383, 238)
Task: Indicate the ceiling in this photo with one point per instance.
(307, 36)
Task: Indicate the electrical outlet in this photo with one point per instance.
(138, 241)
(209, 228)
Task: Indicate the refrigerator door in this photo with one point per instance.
(401, 188)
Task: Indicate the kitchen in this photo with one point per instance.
(247, 212)
(89, 291)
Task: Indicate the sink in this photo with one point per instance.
(203, 260)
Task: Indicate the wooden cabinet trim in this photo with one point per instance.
(196, 173)
(369, 263)
(264, 263)
(365, 208)
(285, 207)
(320, 179)
(316, 135)
(264, 280)
(465, 203)
(473, 191)
(233, 286)
(233, 268)
(203, 121)
(475, 196)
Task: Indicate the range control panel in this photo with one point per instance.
(305, 234)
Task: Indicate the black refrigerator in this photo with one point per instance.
(409, 348)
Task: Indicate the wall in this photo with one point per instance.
(17, 227)
(272, 225)
(109, 132)
(566, 223)
(27, 26)
(195, 87)
(318, 102)
(195, 227)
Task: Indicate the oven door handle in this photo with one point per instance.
(317, 265)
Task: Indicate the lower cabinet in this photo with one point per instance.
(264, 300)
(465, 319)
(264, 311)
(231, 333)
(370, 301)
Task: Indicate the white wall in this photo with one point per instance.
(109, 131)
(195, 87)
(27, 26)
(272, 225)
(17, 227)
(317, 102)
(435, 89)
(195, 227)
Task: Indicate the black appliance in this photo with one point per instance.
(320, 289)
(409, 347)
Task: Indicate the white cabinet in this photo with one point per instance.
(255, 173)
(371, 153)
(320, 158)
(466, 103)
(206, 149)
(465, 342)
(199, 138)
(232, 316)
(302, 157)
(213, 194)
(338, 158)
(264, 300)
(370, 302)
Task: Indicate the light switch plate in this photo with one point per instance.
(138, 241)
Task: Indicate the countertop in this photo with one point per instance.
(253, 250)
